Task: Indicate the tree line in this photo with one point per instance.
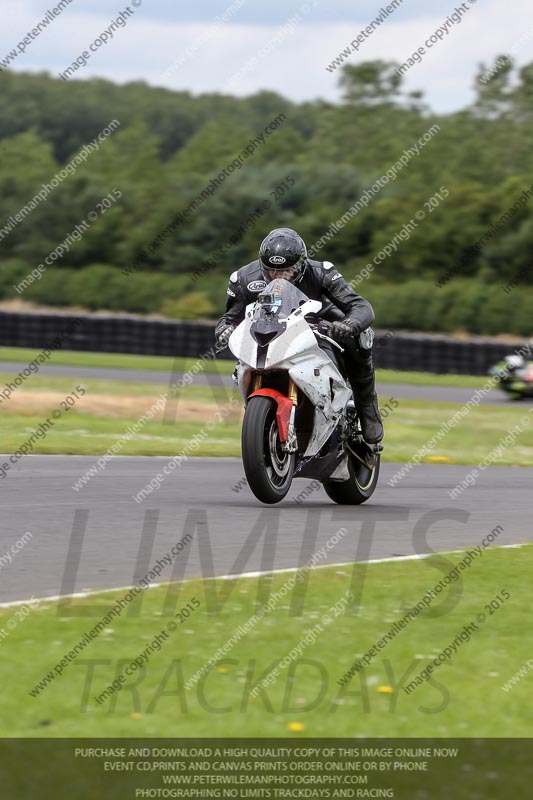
(390, 191)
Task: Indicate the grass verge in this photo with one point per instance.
(463, 698)
(408, 427)
(78, 358)
(126, 361)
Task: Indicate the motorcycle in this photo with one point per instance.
(300, 418)
(515, 376)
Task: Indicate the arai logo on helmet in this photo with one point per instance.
(256, 286)
(277, 260)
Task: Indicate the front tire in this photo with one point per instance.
(358, 488)
(267, 467)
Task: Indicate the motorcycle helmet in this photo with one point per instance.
(283, 254)
(515, 362)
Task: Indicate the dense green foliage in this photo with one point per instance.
(170, 145)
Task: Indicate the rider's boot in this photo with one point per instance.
(367, 406)
(362, 380)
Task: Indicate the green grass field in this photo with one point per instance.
(111, 406)
(115, 386)
(463, 699)
(407, 428)
(78, 358)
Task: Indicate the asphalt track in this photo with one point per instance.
(100, 537)
(451, 394)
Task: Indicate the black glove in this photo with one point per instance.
(343, 332)
(324, 327)
(222, 337)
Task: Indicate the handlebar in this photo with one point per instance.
(322, 329)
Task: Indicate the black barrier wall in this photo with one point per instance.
(132, 334)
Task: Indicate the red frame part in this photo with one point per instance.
(283, 412)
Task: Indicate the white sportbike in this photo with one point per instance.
(300, 418)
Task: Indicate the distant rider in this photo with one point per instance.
(283, 254)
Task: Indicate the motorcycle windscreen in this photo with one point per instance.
(274, 304)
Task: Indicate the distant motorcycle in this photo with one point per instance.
(300, 418)
(515, 376)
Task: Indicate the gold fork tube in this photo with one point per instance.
(293, 392)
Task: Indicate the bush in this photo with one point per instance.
(12, 272)
(195, 305)
(464, 304)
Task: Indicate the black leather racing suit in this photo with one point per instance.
(321, 281)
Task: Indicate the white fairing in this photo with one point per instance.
(297, 351)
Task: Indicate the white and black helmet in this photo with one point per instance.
(515, 362)
(283, 254)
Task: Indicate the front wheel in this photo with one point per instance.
(267, 467)
(360, 485)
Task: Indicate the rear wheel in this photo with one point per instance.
(360, 485)
(267, 467)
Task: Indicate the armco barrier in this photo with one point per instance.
(108, 334)
(439, 354)
(144, 336)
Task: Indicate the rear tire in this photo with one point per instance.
(358, 488)
(267, 467)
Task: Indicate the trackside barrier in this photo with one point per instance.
(145, 336)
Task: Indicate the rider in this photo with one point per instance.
(283, 254)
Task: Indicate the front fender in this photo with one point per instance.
(283, 411)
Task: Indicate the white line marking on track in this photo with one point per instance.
(236, 576)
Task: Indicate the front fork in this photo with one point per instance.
(291, 445)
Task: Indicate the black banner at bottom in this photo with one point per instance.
(119, 769)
